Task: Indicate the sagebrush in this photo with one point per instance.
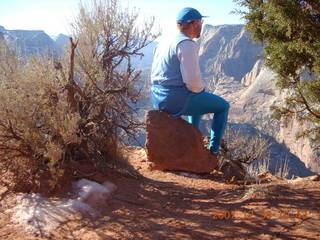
(79, 107)
(244, 147)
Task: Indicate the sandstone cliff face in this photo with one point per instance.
(234, 68)
(301, 147)
(227, 51)
(228, 54)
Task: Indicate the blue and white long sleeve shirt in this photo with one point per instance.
(175, 75)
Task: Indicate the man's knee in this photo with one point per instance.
(227, 105)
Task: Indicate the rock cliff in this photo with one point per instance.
(30, 42)
(234, 68)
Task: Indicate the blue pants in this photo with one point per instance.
(202, 103)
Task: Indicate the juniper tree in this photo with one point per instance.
(290, 31)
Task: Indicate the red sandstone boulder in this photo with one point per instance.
(174, 144)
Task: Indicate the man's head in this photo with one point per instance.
(189, 22)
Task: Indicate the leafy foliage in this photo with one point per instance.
(290, 30)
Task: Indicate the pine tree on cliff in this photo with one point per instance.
(290, 30)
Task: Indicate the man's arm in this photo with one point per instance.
(187, 52)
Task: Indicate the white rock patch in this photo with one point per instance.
(39, 215)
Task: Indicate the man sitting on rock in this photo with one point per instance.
(177, 87)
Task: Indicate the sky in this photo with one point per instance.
(54, 16)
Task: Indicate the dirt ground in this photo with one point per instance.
(173, 205)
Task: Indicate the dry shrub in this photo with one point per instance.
(254, 151)
(261, 191)
(256, 168)
(282, 168)
(245, 147)
(107, 39)
(79, 107)
(36, 123)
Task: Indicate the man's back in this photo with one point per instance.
(166, 65)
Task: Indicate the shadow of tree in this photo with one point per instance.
(152, 209)
(171, 206)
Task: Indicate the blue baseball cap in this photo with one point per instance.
(188, 14)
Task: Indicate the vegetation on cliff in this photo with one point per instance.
(290, 31)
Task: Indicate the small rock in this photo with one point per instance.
(232, 170)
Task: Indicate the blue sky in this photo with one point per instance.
(54, 16)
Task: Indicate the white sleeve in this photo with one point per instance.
(187, 52)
